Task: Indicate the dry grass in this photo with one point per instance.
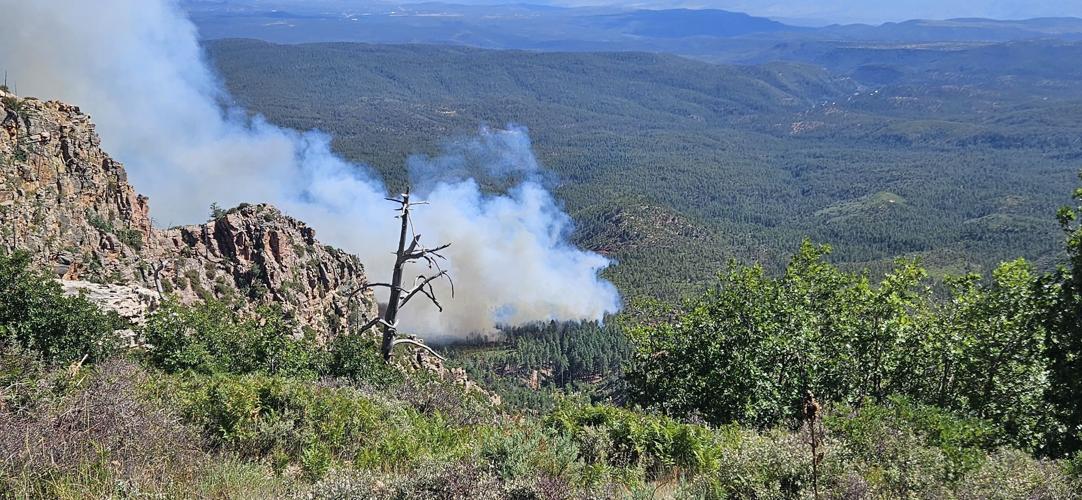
(100, 439)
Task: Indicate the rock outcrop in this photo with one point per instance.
(69, 204)
(132, 303)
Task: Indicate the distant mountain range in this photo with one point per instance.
(985, 30)
(711, 34)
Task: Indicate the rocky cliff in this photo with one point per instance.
(69, 204)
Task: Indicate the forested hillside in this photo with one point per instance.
(673, 166)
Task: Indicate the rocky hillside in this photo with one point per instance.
(70, 205)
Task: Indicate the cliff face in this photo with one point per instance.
(69, 204)
(257, 252)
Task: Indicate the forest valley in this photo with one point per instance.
(811, 383)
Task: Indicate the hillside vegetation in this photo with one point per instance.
(815, 382)
(226, 405)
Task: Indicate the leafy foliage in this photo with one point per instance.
(212, 337)
(357, 358)
(964, 442)
(1065, 336)
(746, 351)
(215, 337)
(657, 444)
(36, 316)
(128, 236)
(297, 422)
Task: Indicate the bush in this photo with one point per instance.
(658, 444)
(357, 358)
(39, 319)
(430, 395)
(747, 351)
(772, 464)
(131, 237)
(1008, 474)
(964, 442)
(315, 426)
(212, 337)
(28, 383)
(518, 452)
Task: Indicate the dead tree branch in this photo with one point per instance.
(426, 288)
(417, 344)
(424, 253)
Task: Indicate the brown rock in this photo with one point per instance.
(69, 204)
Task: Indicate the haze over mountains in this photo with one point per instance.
(707, 33)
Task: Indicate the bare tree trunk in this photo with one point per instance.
(157, 270)
(405, 253)
(390, 317)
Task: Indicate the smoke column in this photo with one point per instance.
(136, 66)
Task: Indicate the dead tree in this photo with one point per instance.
(422, 285)
(157, 270)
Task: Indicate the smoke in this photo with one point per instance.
(137, 67)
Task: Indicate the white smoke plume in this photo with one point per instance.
(136, 66)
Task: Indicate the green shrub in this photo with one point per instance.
(26, 381)
(128, 236)
(1008, 474)
(356, 357)
(37, 317)
(772, 464)
(131, 237)
(747, 351)
(660, 444)
(315, 460)
(212, 337)
(963, 441)
(97, 222)
(315, 426)
(522, 451)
